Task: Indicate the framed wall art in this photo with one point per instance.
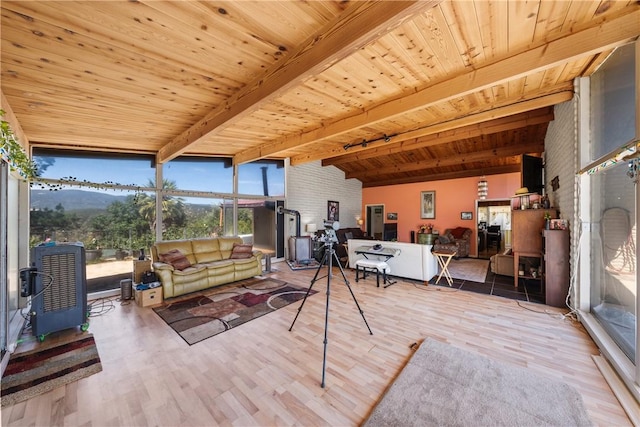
(466, 215)
(428, 204)
(333, 211)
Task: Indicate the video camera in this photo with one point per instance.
(330, 228)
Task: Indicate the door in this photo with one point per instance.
(375, 221)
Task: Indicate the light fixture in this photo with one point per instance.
(311, 228)
(483, 188)
(365, 143)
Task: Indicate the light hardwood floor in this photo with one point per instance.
(262, 374)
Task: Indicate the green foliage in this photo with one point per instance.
(12, 151)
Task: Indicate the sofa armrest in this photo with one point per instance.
(158, 265)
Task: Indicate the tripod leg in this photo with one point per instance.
(326, 321)
(352, 294)
(308, 291)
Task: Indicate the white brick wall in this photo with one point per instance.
(561, 161)
(310, 186)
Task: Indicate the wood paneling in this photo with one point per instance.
(301, 80)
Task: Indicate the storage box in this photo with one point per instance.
(139, 267)
(149, 297)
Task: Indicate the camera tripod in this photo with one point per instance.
(328, 257)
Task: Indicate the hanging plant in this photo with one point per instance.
(14, 154)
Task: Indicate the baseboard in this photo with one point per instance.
(620, 390)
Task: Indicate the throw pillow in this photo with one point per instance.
(443, 240)
(458, 232)
(241, 251)
(176, 259)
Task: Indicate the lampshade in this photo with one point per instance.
(483, 189)
(311, 228)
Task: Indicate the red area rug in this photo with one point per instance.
(45, 368)
(196, 318)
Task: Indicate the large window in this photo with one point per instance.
(609, 212)
(200, 174)
(614, 286)
(109, 202)
(262, 178)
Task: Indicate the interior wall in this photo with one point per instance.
(453, 197)
(310, 186)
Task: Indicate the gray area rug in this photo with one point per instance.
(472, 269)
(445, 386)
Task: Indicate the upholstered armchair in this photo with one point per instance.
(454, 239)
(502, 264)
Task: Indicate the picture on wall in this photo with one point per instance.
(392, 216)
(466, 215)
(333, 211)
(428, 205)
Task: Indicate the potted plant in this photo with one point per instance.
(547, 220)
(425, 236)
(120, 254)
(92, 250)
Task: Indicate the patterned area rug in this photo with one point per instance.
(45, 368)
(219, 309)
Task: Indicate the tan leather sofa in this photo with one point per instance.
(502, 264)
(185, 266)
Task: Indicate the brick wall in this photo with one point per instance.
(561, 161)
(310, 186)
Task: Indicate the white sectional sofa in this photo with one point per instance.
(415, 261)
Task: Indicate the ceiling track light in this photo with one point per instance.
(365, 143)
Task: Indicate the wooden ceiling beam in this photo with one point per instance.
(510, 122)
(360, 24)
(443, 176)
(516, 106)
(601, 36)
(478, 156)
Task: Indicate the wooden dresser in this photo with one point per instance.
(527, 226)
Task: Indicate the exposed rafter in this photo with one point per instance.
(603, 36)
(361, 23)
(516, 121)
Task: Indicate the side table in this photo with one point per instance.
(444, 258)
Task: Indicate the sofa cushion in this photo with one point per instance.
(176, 258)
(206, 250)
(241, 251)
(226, 245)
(443, 240)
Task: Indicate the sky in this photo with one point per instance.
(198, 175)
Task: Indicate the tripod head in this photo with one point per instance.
(330, 236)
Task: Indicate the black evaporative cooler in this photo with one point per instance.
(59, 294)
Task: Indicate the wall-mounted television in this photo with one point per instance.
(531, 173)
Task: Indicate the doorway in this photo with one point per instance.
(493, 226)
(375, 221)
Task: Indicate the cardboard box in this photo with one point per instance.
(149, 297)
(139, 267)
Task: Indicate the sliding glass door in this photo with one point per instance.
(614, 287)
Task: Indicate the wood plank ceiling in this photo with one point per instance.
(389, 92)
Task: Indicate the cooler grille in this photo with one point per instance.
(61, 294)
